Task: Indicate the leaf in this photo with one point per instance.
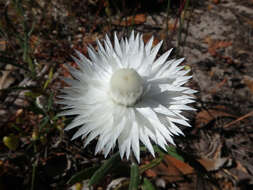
(3, 45)
(151, 164)
(249, 82)
(134, 177)
(147, 36)
(171, 169)
(104, 169)
(206, 116)
(11, 141)
(216, 1)
(50, 77)
(212, 164)
(173, 152)
(6, 79)
(214, 45)
(132, 20)
(181, 166)
(147, 185)
(50, 101)
(80, 176)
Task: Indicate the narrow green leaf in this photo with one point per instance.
(173, 152)
(50, 102)
(134, 177)
(152, 164)
(104, 169)
(82, 175)
(32, 94)
(147, 185)
(50, 77)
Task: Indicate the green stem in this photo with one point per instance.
(134, 174)
(34, 174)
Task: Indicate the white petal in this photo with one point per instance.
(162, 59)
(180, 121)
(145, 140)
(135, 141)
(148, 46)
(117, 46)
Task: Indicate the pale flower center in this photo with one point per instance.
(126, 87)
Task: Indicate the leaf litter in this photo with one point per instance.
(218, 51)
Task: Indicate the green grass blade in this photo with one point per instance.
(82, 175)
(104, 169)
(152, 164)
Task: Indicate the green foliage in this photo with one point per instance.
(82, 175)
(147, 185)
(134, 177)
(104, 169)
(50, 77)
(151, 164)
(173, 152)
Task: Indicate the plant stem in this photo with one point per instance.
(134, 174)
(34, 174)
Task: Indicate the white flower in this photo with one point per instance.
(123, 96)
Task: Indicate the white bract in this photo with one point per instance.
(123, 95)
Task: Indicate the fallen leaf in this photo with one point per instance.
(171, 169)
(249, 82)
(147, 36)
(214, 45)
(218, 86)
(132, 20)
(212, 164)
(3, 45)
(239, 166)
(150, 173)
(206, 116)
(216, 1)
(6, 80)
(183, 167)
(209, 7)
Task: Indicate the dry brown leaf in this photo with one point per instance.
(147, 36)
(3, 44)
(239, 166)
(206, 116)
(150, 173)
(214, 45)
(249, 82)
(216, 1)
(208, 40)
(171, 169)
(217, 45)
(209, 7)
(212, 164)
(6, 80)
(132, 20)
(218, 86)
(183, 167)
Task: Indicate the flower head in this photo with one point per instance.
(123, 95)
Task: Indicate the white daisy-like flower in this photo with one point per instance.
(123, 95)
